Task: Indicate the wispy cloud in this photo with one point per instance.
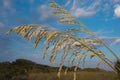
(115, 1)
(37, 55)
(7, 8)
(117, 11)
(91, 7)
(117, 41)
(106, 8)
(82, 12)
(1, 25)
(106, 39)
(85, 10)
(7, 3)
(31, 1)
(110, 40)
(45, 12)
(102, 32)
(68, 2)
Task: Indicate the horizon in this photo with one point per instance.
(102, 17)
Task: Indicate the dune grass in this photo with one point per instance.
(64, 43)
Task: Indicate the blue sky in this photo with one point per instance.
(101, 16)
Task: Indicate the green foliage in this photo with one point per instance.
(15, 70)
(22, 69)
(5, 71)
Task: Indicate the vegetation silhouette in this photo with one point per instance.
(21, 69)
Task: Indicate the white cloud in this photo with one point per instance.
(7, 6)
(94, 5)
(117, 41)
(6, 3)
(1, 25)
(68, 2)
(32, 1)
(110, 40)
(45, 12)
(102, 32)
(36, 56)
(106, 7)
(116, 1)
(117, 11)
(82, 12)
(85, 10)
(106, 39)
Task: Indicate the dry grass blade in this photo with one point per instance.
(61, 10)
(66, 42)
(62, 41)
(60, 68)
(21, 29)
(64, 15)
